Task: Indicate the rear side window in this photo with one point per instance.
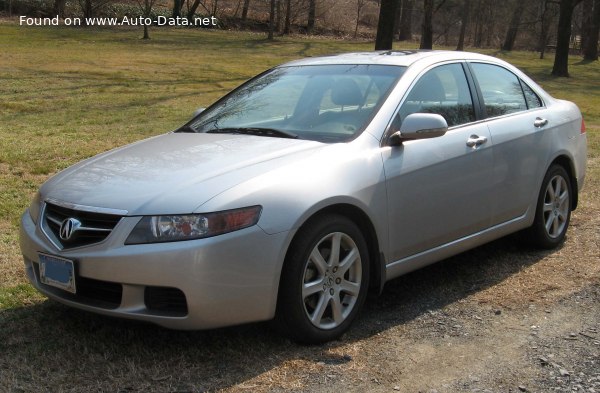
(501, 90)
(442, 90)
(533, 101)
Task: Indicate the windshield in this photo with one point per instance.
(328, 103)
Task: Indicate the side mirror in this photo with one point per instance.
(419, 126)
(198, 111)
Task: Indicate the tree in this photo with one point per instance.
(463, 24)
(245, 10)
(288, 16)
(360, 4)
(513, 27)
(385, 26)
(405, 30)
(89, 8)
(563, 36)
(312, 9)
(587, 13)
(177, 6)
(429, 9)
(427, 25)
(271, 20)
(146, 8)
(590, 51)
(59, 8)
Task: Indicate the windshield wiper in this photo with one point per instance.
(254, 131)
(186, 129)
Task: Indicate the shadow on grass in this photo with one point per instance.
(54, 345)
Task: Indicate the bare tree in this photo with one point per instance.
(405, 29)
(563, 37)
(427, 25)
(312, 9)
(385, 26)
(590, 51)
(360, 4)
(59, 8)
(288, 16)
(429, 9)
(90, 7)
(245, 10)
(271, 20)
(587, 13)
(146, 8)
(513, 28)
(463, 24)
(177, 6)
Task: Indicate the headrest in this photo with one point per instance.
(345, 91)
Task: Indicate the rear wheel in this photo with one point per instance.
(324, 282)
(553, 210)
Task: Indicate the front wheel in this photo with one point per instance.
(325, 280)
(553, 210)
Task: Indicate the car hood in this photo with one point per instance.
(173, 173)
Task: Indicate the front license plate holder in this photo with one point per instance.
(57, 272)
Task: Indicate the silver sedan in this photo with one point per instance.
(311, 184)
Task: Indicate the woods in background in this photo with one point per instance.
(561, 26)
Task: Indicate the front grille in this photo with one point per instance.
(94, 228)
(165, 300)
(97, 293)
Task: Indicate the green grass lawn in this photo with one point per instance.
(70, 93)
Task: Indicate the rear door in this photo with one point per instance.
(517, 120)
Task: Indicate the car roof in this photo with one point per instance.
(391, 57)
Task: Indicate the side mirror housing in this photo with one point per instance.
(419, 126)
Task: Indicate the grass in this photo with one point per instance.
(67, 94)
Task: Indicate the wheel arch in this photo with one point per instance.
(364, 223)
(566, 162)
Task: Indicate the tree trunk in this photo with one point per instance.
(427, 25)
(59, 8)
(563, 37)
(192, 11)
(176, 8)
(245, 10)
(278, 18)
(87, 11)
(359, 6)
(288, 16)
(586, 21)
(385, 25)
(463, 24)
(312, 9)
(271, 20)
(590, 51)
(513, 28)
(398, 18)
(405, 30)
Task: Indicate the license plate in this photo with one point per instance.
(57, 272)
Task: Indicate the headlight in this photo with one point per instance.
(156, 229)
(35, 207)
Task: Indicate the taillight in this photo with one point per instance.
(582, 126)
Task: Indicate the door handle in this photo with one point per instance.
(476, 140)
(539, 122)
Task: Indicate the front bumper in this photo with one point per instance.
(224, 280)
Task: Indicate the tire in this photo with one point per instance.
(321, 290)
(553, 210)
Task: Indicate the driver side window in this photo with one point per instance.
(443, 90)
